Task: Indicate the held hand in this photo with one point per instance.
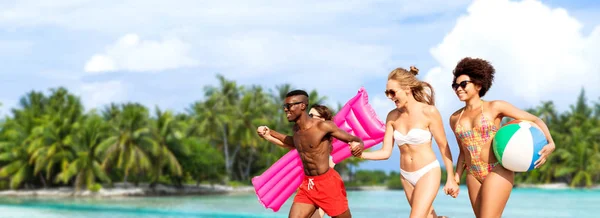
(457, 178)
(546, 150)
(356, 148)
(451, 188)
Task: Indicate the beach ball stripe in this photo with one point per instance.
(516, 146)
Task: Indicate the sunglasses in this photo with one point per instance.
(390, 92)
(313, 115)
(289, 105)
(462, 84)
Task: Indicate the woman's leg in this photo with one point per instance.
(474, 186)
(424, 193)
(408, 189)
(495, 192)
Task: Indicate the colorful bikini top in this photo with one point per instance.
(477, 136)
(414, 137)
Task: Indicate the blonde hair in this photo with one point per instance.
(408, 79)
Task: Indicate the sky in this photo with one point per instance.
(165, 52)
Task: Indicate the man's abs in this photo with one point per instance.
(315, 164)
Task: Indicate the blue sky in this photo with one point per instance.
(164, 52)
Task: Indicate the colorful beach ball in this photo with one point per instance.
(517, 144)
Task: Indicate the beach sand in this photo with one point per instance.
(123, 190)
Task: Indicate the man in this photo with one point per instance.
(322, 186)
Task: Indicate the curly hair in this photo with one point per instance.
(422, 91)
(323, 111)
(480, 71)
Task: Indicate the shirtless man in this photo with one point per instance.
(322, 186)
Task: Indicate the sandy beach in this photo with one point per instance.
(122, 190)
(553, 186)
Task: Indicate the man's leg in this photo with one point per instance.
(344, 215)
(301, 210)
(332, 196)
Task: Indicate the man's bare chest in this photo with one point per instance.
(308, 139)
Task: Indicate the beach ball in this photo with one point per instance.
(516, 145)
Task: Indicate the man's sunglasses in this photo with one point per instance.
(462, 84)
(289, 105)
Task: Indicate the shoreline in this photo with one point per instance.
(549, 186)
(129, 190)
(143, 190)
(555, 186)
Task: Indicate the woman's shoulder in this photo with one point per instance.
(392, 116)
(496, 105)
(454, 116)
(429, 110)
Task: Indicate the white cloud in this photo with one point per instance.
(539, 53)
(93, 94)
(303, 56)
(130, 53)
(98, 94)
(152, 15)
(100, 63)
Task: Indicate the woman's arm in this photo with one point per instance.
(460, 165)
(460, 162)
(437, 130)
(388, 141)
(504, 108)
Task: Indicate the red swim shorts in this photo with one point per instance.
(326, 191)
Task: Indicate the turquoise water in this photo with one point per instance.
(523, 203)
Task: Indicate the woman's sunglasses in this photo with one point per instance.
(390, 92)
(462, 84)
(313, 115)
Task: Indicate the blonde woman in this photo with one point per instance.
(412, 124)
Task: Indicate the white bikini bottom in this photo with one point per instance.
(413, 177)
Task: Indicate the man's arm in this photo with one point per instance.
(288, 141)
(333, 130)
(265, 132)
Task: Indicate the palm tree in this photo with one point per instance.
(13, 152)
(125, 146)
(17, 135)
(167, 134)
(221, 101)
(314, 98)
(86, 167)
(53, 138)
(251, 112)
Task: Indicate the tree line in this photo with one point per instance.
(50, 140)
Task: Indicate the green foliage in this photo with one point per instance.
(95, 187)
(394, 181)
(236, 184)
(50, 140)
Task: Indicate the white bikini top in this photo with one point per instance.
(414, 137)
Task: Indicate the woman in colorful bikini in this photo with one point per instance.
(412, 124)
(475, 125)
(317, 111)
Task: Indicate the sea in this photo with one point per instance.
(523, 202)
